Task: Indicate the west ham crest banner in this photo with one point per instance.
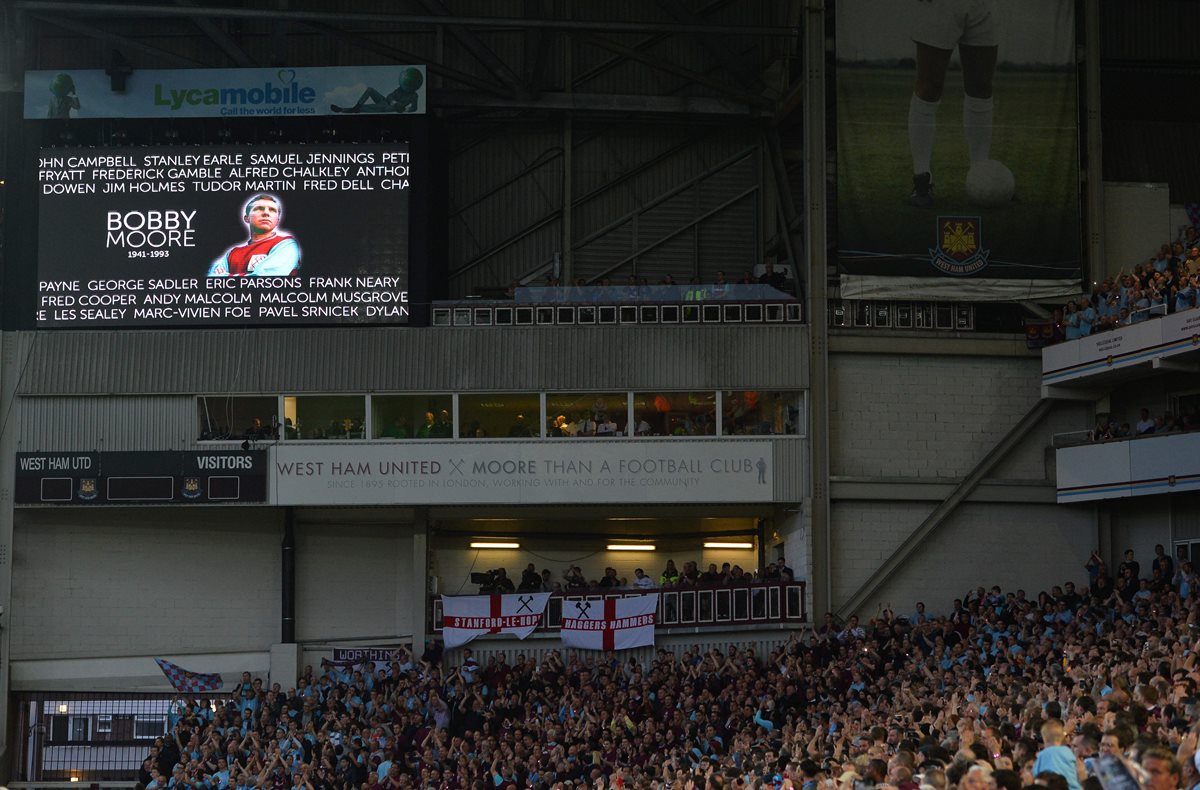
(957, 150)
(611, 624)
(465, 617)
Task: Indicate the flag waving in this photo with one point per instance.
(189, 682)
(465, 617)
(611, 624)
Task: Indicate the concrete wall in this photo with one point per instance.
(916, 424)
(1016, 546)
(98, 592)
(926, 416)
(353, 581)
(1139, 524)
(90, 582)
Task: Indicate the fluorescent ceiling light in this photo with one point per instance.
(717, 544)
(494, 544)
(631, 547)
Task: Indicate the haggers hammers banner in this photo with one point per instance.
(465, 617)
(611, 624)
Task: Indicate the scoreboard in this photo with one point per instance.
(202, 477)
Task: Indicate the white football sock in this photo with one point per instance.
(922, 124)
(977, 126)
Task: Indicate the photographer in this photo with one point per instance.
(495, 582)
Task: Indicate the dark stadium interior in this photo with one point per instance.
(644, 394)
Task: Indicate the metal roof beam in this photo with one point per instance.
(644, 44)
(536, 48)
(120, 41)
(223, 40)
(679, 71)
(715, 44)
(403, 56)
(479, 50)
(400, 20)
(597, 102)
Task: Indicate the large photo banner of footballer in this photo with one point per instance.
(223, 236)
(957, 149)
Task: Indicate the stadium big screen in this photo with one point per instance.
(212, 236)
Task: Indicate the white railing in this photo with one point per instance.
(759, 603)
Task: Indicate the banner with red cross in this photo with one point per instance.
(465, 617)
(189, 682)
(611, 624)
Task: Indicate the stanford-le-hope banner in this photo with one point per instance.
(227, 235)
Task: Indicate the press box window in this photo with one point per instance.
(675, 413)
(578, 414)
(761, 413)
(499, 415)
(230, 418)
(411, 416)
(330, 417)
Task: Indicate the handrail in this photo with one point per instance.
(716, 606)
(1137, 437)
(1159, 310)
(1081, 437)
(1151, 310)
(679, 293)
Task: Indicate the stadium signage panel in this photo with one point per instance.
(545, 472)
(226, 93)
(201, 477)
(1135, 467)
(223, 236)
(1139, 343)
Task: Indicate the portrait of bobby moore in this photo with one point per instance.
(268, 252)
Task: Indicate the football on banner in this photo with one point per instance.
(990, 183)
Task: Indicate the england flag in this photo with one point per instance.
(611, 624)
(465, 617)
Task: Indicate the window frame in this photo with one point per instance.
(142, 718)
(542, 396)
(371, 396)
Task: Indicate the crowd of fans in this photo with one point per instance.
(1001, 689)
(1110, 426)
(689, 576)
(1169, 282)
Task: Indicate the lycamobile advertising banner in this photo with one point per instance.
(226, 93)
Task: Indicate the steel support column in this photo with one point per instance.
(1094, 183)
(813, 52)
(568, 191)
(417, 582)
(287, 597)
